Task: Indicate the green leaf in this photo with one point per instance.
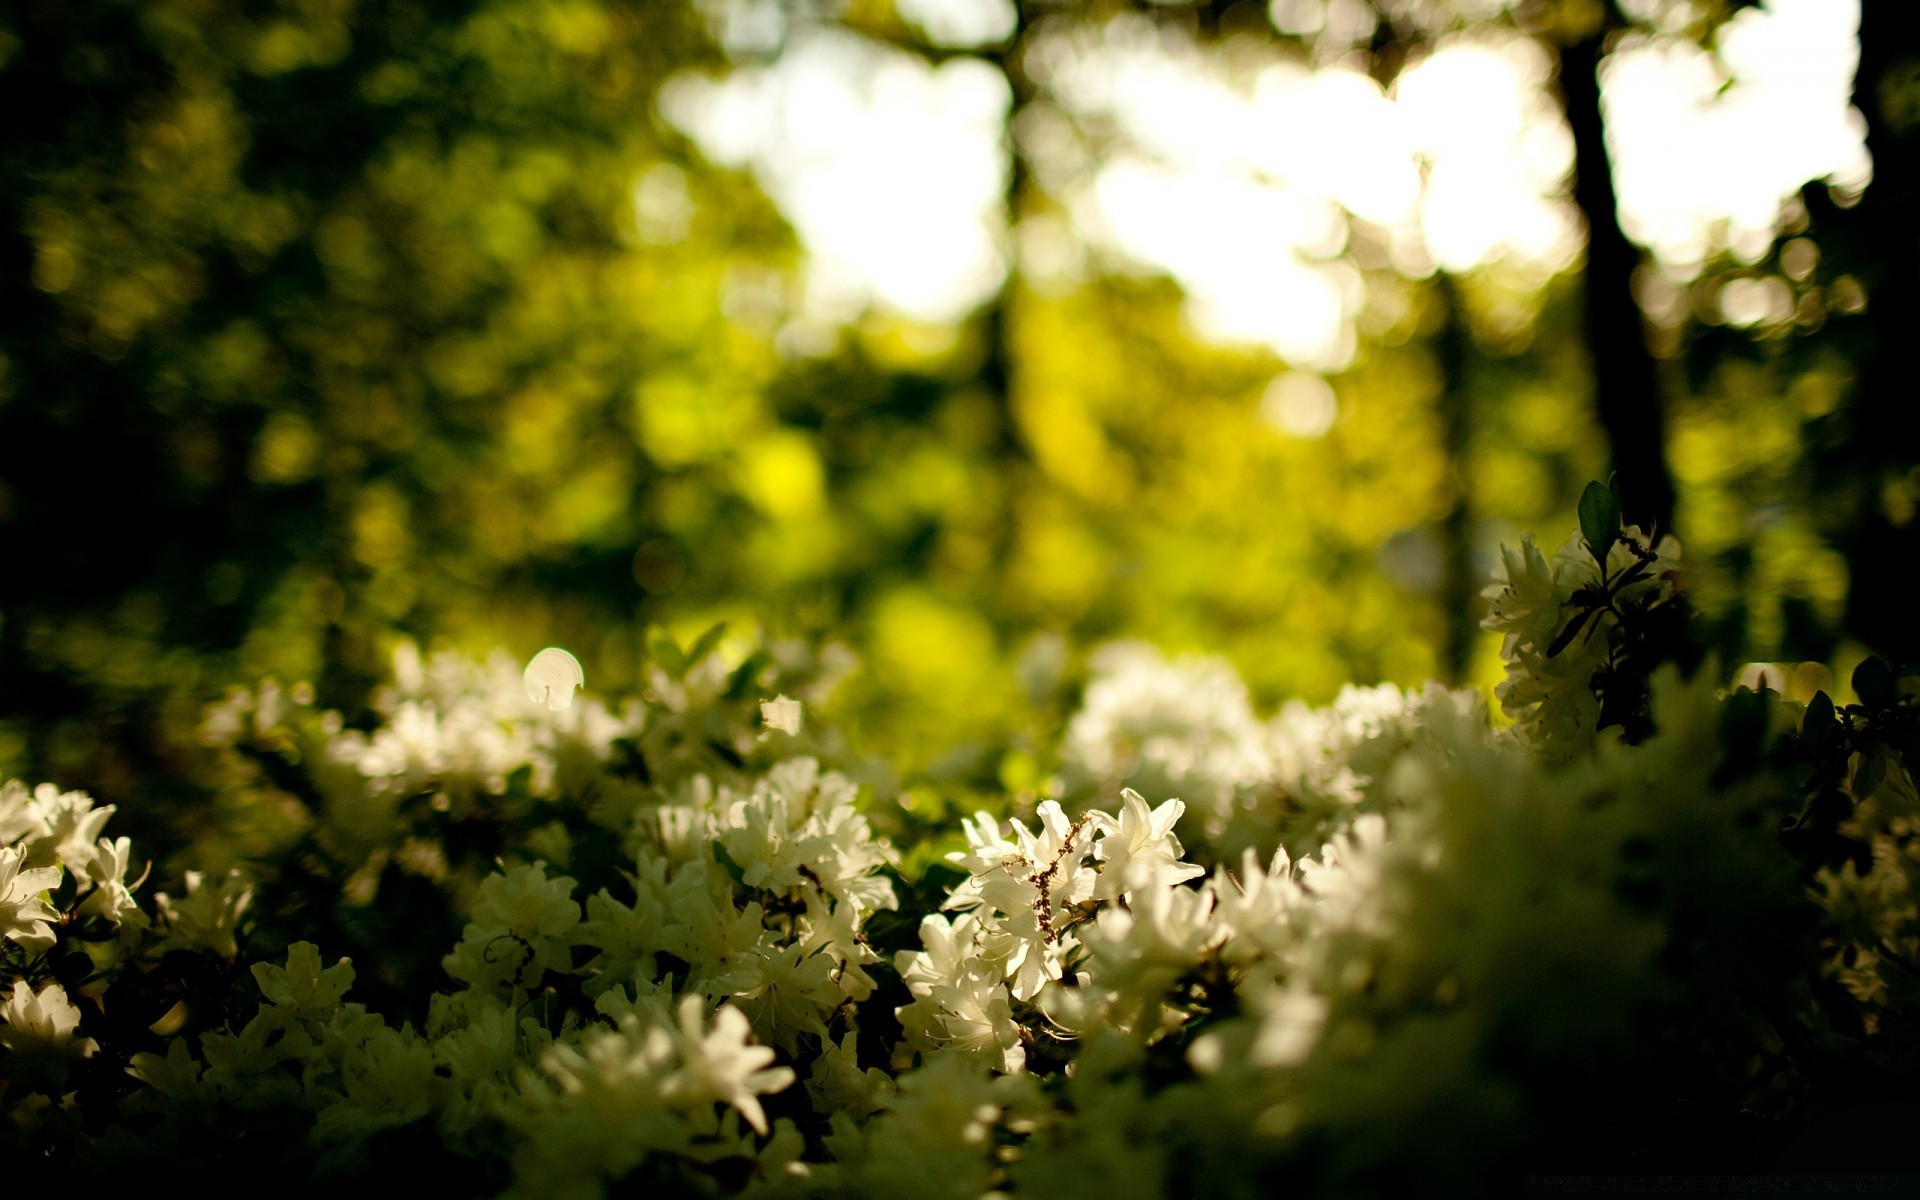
(746, 677)
(733, 869)
(667, 655)
(1570, 632)
(704, 644)
(1599, 519)
(1873, 682)
(1869, 775)
(1817, 723)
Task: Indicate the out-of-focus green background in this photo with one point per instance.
(326, 323)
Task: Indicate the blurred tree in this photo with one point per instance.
(320, 321)
(1865, 451)
(323, 324)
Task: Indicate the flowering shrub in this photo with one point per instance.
(542, 945)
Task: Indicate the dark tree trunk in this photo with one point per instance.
(1868, 445)
(1459, 583)
(1627, 397)
(997, 359)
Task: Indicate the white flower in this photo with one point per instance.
(112, 897)
(552, 676)
(1256, 910)
(24, 911)
(838, 1083)
(1290, 1022)
(957, 1003)
(1137, 955)
(949, 950)
(41, 1025)
(799, 830)
(526, 901)
(519, 932)
(722, 1065)
(388, 1081)
(1140, 850)
(785, 990)
(782, 714)
(1025, 889)
(1524, 599)
(1550, 696)
(207, 917)
(1181, 728)
(62, 828)
(16, 811)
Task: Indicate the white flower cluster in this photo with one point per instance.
(1557, 617)
(1025, 892)
(49, 843)
(1181, 728)
(1355, 944)
(1186, 728)
(600, 1027)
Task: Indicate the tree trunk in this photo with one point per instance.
(997, 359)
(1627, 397)
(1459, 584)
(1867, 447)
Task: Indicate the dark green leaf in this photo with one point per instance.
(704, 644)
(1570, 632)
(1873, 682)
(746, 677)
(1817, 723)
(667, 655)
(1869, 775)
(732, 868)
(1599, 519)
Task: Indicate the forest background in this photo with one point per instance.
(967, 334)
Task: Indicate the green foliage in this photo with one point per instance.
(673, 947)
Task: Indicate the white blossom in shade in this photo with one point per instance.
(971, 1017)
(595, 1108)
(24, 911)
(528, 901)
(949, 949)
(520, 930)
(626, 937)
(1257, 910)
(208, 915)
(62, 828)
(708, 928)
(839, 1084)
(720, 1064)
(16, 811)
(459, 727)
(388, 1080)
(42, 1025)
(782, 714)
(784, 991)
(1523, 601)
(1345, 878)
(552, 676)
(937, 1137)
(1181, 728)
(798, 830)
(112, 896)
(1140, 851)
(835, 931)
(1139, 952)
(1332, 763)
(478, 1055)
(1548, 691)
(1291, 1019)
(959, 1002)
